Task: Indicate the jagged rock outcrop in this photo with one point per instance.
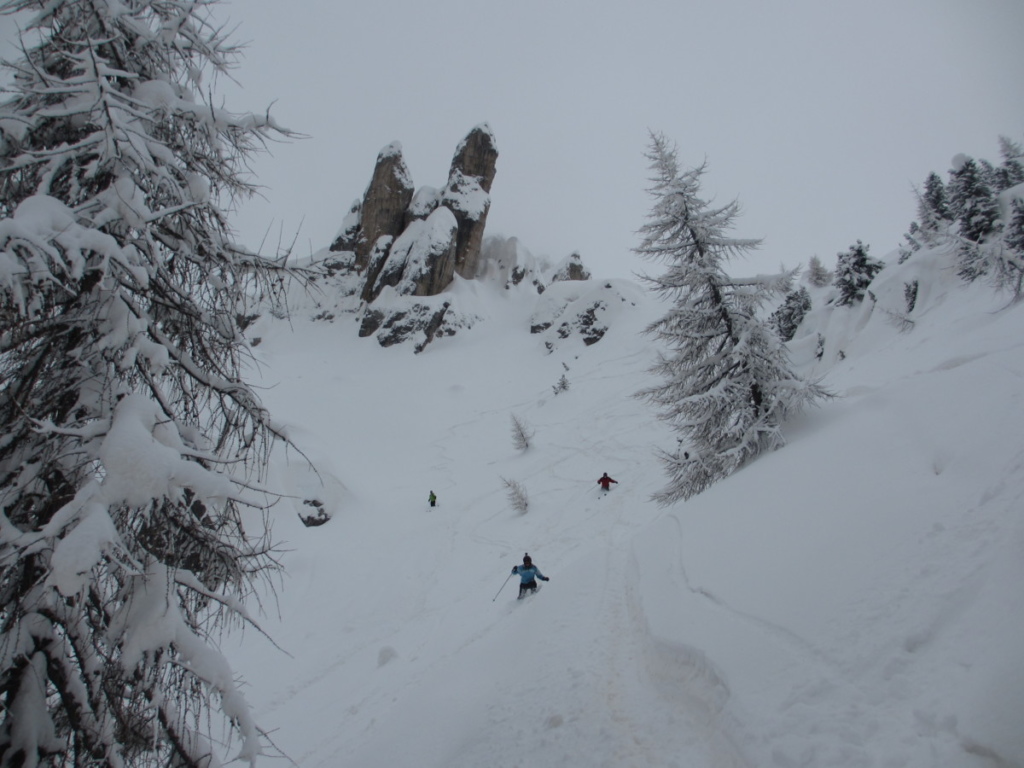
(467, 194)
(571, 269)
(416, 241)
(382, 212)
(349, 234)
(576, 309)
(418, 321)
(420, 262)
(399, 248)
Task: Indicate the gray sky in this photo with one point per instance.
(818, 115)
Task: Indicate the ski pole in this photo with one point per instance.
(502, 587)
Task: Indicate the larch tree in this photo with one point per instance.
(131, 450)
(726, 384)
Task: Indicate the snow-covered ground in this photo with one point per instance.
(854, 599)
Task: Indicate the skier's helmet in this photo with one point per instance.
(526, 560)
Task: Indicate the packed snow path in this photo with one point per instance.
(791, 616)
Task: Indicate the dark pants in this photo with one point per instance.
(527, 586)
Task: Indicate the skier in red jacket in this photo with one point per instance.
(606, 482)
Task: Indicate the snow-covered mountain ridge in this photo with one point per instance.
(849, 600)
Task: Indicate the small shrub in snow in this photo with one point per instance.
(562, 385)
(910, 295)
(516, 494)
(904, 323)
(521, 433)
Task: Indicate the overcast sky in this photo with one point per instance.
(818, 116)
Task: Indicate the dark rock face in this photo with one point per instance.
(414, 243)
(349, 235)
(467, 194)
(420, 322)
(400, 247)
(477, 156)
(420, 262)
(570, 311)
(571, 269)
(384, 228)
(384, 205)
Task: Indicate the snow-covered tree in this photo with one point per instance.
(817, 274)
(981, 248)
(1011, 172)
(933, 213)
(971, 200)
(855, 270)
(727, 385)
(791, 313)
(1015, 228)
(131, 449)
(913, 242)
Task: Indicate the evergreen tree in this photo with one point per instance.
(131, 449)
(913, 244)
(855, 270)
(817, 274)
(1015, 229)
(971, 200)
(791, 313)
(726, 382)
(934, 198)
(1007, 258)
(1011, 172)
(933, 214)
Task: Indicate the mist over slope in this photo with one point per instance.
(849, 600)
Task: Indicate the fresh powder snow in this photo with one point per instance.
(853, 599)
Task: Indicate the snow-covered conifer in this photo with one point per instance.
(933, 213)
(971, 201)
(726, 381)
(855, 270)
(791, 312)
(1015, 228)
(913, 242)
(131, 448)
(1011, 172)
(817, 274)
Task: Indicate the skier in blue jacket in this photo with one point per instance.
(528, 573)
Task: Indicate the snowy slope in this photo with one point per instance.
(850, 600)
